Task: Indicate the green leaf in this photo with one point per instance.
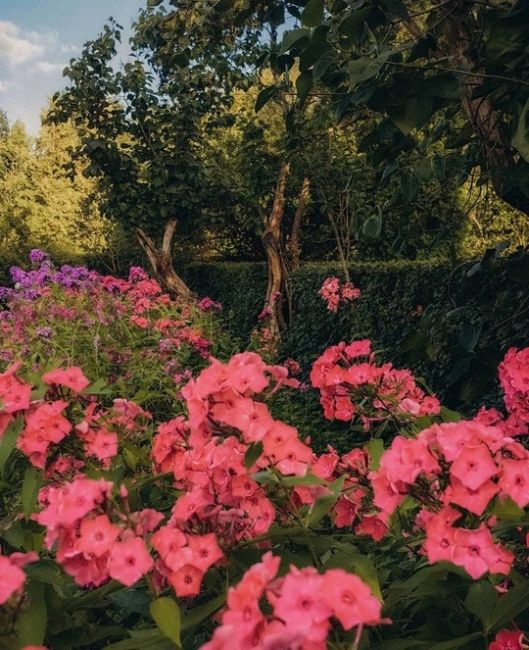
(510, 605)
(293, 37)
(322, 64)
(32, 621)
(264, 96)
(304, 85)
(348, 558)
(132, 600)
(312, 15)
(372, 227)
(154, 3)
(376, 449)
(352, 23)
(412, 113)
(481, 599)
(252, 455)
(505, 508)
(363, 69)
(520, 140)
(98, 387)
(447, 415)
(396, 8)
(455, 643)
(325, 503)
(400, 644)
(30, 487)
(9, 440)
(152, 639)
(166, 615)
(199, 614)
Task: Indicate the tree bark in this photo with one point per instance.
(271, 239)
(485, 121)
(161, 261)
(295, 246)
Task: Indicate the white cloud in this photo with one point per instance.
(3, 86)
(49, 68)
(69, 48)
(16, 47)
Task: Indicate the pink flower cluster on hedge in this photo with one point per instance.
(301, 606)
(334, 293)
(352, 385)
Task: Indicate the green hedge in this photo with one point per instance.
(451, 326)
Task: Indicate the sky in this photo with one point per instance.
(37, 40)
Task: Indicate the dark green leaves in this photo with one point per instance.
(9, 440)
(252, 455)
(520, 140)
(304, 85)
(33, 619)
(312, 15)
(292, 38)
(396, 8)
(264, 96)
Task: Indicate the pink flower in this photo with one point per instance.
(300, 604)
(351, 600)
(475, 501)
(12, 579)
(186, 581)
(204, 550)
(14, 394)
(514, 481)
(476, 552)
(473, 466)
(129, 561)
(97, 536)
(508, 640)
(73, 378)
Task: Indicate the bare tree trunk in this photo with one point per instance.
(161, 261)
(485, 121)
(295, 246)
(271, 239)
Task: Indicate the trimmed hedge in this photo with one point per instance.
(451, 326)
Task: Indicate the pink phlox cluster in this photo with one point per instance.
(334, 293)
(348, 375)
(300, 608)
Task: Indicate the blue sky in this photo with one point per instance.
(38, 38)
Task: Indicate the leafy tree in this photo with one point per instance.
(451, 72)
(141, 126)
(41, 205)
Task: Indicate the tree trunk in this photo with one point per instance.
(271, 239)
(295, 246)
(161, 261)
(485, 121)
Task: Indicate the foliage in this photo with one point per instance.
(130, 530)
(452, 73)
(141, 127)
(41, 203)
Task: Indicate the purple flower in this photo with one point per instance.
(38, 257)
(137, 274)
(5, 293)
(44, 332)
